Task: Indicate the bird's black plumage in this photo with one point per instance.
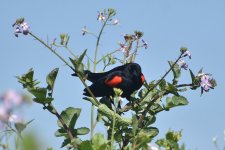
(128, 78)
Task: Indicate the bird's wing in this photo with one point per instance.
(104, 86)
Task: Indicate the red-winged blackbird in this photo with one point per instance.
(128, 78)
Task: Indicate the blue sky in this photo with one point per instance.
(167, 25)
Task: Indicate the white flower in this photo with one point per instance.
(14, 118)
(115, 22)
(101, 16)
(84, 30)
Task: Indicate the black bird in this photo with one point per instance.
(128, 78)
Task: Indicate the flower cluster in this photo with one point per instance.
(10, 100)
(181, 61)
(183, 64)
(206, 82)
(107, 15)
(101, 16)
(21, 26)
(129, 39)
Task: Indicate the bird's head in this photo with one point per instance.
(135, 70)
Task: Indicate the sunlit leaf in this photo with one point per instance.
(175, 101)
(70, 116)
(51, 78)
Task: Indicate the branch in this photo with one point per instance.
(52, 110)
(150, 89)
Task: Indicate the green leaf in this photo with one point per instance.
(176, 71)
(27, 79)
(65, 143)
(20, 126)
(90, 99)
(43, 100)
(200, 71)
(162, 84)
(175, 101)
(75, 132)
(50, 148)
(80, 59)
(156, 108)
(70, 116)
(85, 145)
(174, 136)
(172, 89)
(51, 78)
(82, 131)
(145, 136)
(134, 124)
(147, 98)
(151, 131)
(162, 143)
(39, 93)
(74, 61)
(192, 76)
(142, 92)
(149, 120)
(103, 109)
(61, 132)
(99, 142)
(88, 64)
(171, 141)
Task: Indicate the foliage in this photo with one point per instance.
(122, 132)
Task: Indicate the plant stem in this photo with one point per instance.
(106, 56)
(52, 110)
(155, 97)
(113, 126)
(61, 58)
(15, 131)
(135, 51)
(150, 89)
(184, 85)
(97, 43)
(94, 70)
(46, 45)
(70, 51)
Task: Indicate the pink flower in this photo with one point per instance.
(183, 64)
(21, 27)
(187, 53)
(11, 98)
(205, 83)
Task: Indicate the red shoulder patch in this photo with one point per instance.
(114, 81)
(142, 79)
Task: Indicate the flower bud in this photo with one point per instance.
(183, 49)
